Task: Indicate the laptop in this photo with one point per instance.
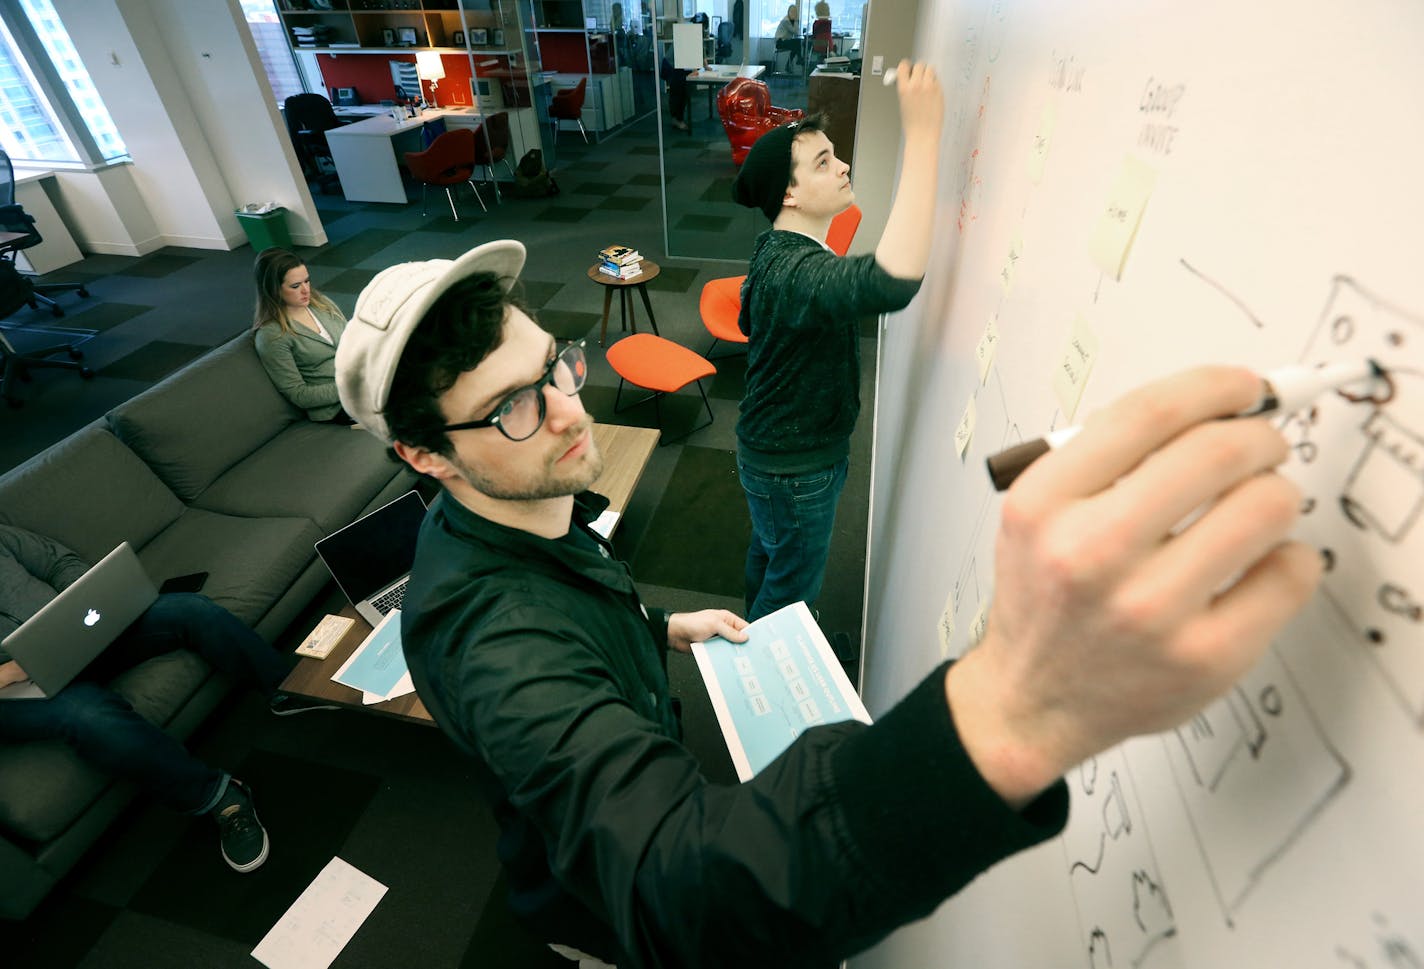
(371, 557)
(74, 627)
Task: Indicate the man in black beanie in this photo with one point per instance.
(801, 311)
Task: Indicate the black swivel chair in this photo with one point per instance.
(18, 232)
(309, 118)
(16, 290)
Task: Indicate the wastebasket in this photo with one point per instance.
(266, 229)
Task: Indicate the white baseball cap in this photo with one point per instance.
(387, 313)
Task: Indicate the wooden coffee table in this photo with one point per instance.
(626, 451)
(625, 297)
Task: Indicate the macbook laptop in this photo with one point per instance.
(371, 557)
(74, 627)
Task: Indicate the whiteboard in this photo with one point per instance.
(1127, 190)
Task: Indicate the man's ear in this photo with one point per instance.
(423, 461)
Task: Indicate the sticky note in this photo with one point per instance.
(1074, 366)
(980, 624)
(965, 430)
(1006, 275)
(988, 343)
(1112, 238)
(945, 627)
(1038, 150)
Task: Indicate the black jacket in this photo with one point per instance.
(538, 658)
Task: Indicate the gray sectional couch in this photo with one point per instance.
(210, 470)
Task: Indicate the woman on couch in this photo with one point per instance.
(296, 330)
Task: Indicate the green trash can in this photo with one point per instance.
(266, 229)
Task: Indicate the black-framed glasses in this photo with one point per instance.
(521, 413)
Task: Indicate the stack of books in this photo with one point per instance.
(620, 262)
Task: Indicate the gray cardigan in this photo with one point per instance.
(302, 365)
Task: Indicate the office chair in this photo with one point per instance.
(493, 146)
(18, 232)
(747, 113)
(309, 118)
(16, 290)
(721, 302)
(448, 161)
(724, 42)
(567, 105)
(821, 41)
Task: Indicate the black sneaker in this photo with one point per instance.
(241, 836)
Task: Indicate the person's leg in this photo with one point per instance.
(793, 517)
(201, 626)
(109, 734)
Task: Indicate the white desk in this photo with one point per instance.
(58, 248)
(365, 153)
(716, 76)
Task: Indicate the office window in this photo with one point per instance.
(76, 80)
(29, 130)
(271, 41)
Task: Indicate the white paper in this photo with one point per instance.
(322, 920)
(605, 523)
(687, 47)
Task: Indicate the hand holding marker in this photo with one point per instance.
(1283, 391)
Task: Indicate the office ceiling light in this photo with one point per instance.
(430, 68)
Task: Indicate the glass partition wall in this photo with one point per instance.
(772, 42)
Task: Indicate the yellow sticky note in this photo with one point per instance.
(945, 627)
(1006, 275)
(1117, 226)
(965, 430)
(1074, 366)
(980, 624)
(1038, 150)
(988, 343)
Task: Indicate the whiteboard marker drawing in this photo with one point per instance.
(1283, 391)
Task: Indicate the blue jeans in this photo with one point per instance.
(793, 516)
(107, 733)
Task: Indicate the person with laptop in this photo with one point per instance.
(529, 644)
(100, 725)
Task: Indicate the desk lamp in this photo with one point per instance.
(429, 67)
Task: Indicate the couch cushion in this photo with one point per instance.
(250, 561)
(324, 472)
(88, 492)
(205, 418)
(44, 787)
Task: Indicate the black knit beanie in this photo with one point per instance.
(766, 171)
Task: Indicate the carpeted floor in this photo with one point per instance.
(393, 798)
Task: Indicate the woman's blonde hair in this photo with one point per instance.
(268, 272)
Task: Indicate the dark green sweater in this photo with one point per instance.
(801, 311)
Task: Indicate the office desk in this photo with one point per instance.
(717, 76)
(368, 154)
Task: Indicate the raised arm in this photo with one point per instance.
(904, 247)
(1110, 620)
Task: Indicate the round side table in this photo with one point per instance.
(625, 297)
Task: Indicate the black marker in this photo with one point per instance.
(1282, 391)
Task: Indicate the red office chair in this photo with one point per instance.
(821, 41)
(747, 114)
(567, 105)
(448, 161)
(492, 145)
(721, 302)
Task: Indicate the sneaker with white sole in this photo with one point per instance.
(241, 836)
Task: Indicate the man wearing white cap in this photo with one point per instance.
(528, 643)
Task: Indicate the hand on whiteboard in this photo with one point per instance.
(1111, 618)
(686, 628)
(921, 99)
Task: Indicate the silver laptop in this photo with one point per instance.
(371, 557)
(74, 627)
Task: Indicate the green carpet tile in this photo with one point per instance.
(158, 265)
(153, 361)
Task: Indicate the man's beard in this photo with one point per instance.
(548, 482)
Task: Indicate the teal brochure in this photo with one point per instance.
(378, 664)
(768, 690)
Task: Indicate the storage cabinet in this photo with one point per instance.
(336, 26)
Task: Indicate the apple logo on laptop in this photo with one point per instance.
(91, 617)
